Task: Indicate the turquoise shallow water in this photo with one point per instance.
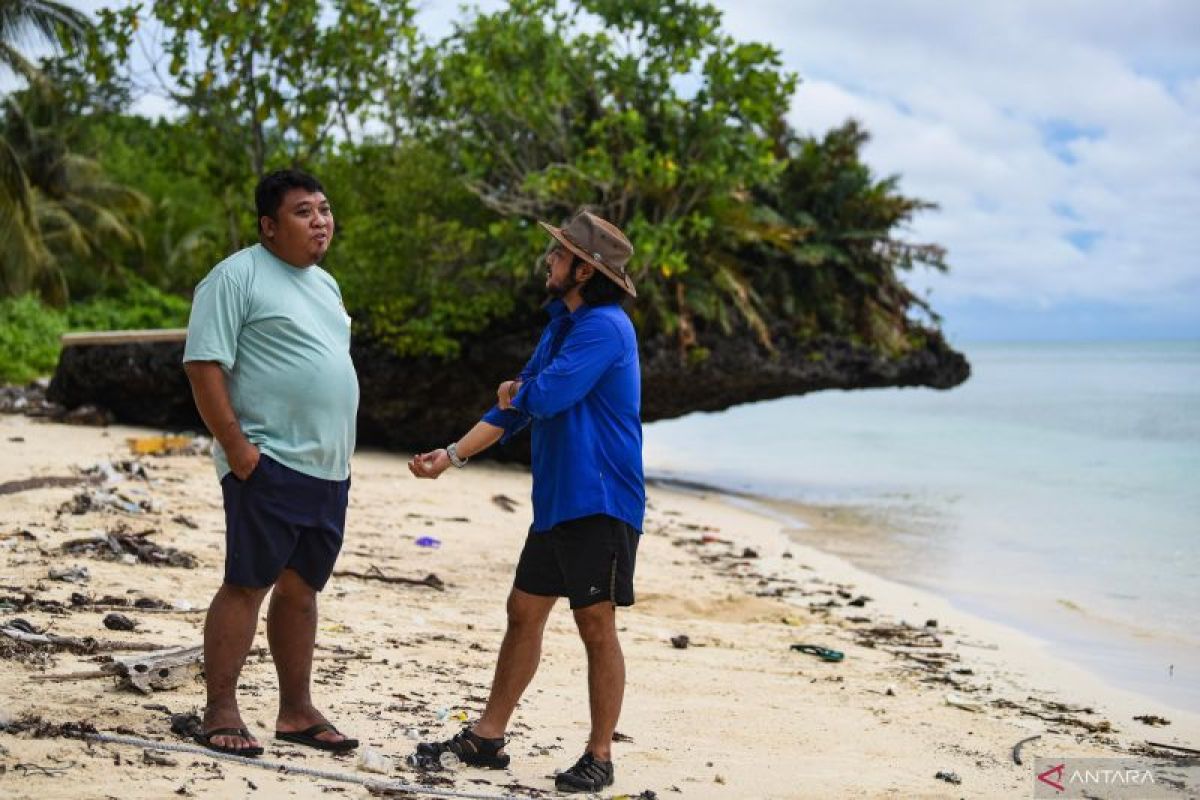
(1058, 490)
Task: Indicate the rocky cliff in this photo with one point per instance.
(415, 404)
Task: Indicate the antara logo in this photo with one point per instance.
(1056, 780)
(1058, 777)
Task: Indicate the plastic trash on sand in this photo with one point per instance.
(428, 541)
(371, 760)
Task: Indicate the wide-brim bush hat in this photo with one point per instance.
(598, 242)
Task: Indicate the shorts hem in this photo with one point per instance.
(591, 601)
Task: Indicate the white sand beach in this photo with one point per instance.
(735, 714)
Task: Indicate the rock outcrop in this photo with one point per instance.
(416, 404)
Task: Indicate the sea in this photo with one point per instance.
(1056, 491)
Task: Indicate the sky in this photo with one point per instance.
(1060, 140)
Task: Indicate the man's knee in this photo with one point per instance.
(597, 625)
(292, 589)
(244, 594)
(527, 612)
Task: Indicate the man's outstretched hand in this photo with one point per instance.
(429, 465)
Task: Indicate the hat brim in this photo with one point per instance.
(621, 279)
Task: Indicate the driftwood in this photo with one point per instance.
(62, 677)
(1165, 746)
(166, 669)
(45, 482)
(167, 658)
(376, 574)
(140, 610)
(85, 645)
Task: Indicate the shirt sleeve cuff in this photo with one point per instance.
(512, 421)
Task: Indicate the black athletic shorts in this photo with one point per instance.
(279, 518)
(588, 560)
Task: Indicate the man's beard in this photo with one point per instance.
(559, 292)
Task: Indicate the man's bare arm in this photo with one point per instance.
(212, 400)
(476, 440)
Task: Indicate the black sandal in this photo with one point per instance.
(589, 774)
(205, 739)
(308, 738)
(466, 745)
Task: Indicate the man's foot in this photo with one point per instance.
(588, 775)
(224, 731)
(467, 746)
(309, 727)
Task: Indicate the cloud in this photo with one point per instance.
(1059, 139)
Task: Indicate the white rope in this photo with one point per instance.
(278, 766)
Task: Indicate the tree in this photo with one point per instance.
(268, 84)
(54, 23)
(647, 113)
(74, 212)
(22, 253)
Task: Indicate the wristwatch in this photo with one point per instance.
(452, 451)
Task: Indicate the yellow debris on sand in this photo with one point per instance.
(159, 445)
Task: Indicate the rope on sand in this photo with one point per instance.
(279, 766)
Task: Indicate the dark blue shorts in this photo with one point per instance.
(279, 518)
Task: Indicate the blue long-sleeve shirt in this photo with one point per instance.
(582, 391)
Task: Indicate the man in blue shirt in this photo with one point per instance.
(581, 394)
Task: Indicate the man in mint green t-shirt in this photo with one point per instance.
(268, 357)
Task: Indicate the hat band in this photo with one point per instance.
(599, 259)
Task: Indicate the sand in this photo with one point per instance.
(735, 714)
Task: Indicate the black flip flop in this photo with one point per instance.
(308, 738)
(205, 739)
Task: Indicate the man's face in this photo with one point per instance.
(559, 279)
(303, 228)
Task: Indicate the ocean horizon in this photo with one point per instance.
(1055, 491)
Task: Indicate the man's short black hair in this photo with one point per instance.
(600, 290)
(268, 196)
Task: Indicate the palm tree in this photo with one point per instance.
(27, 258)
(38, 20)
(70, 211)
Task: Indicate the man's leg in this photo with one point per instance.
(292, 633)
(597, 625)
(228, 633)
(517, 662)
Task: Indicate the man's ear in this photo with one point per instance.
(267, 226)
(585, 271)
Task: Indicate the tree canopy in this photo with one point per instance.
(440, 156)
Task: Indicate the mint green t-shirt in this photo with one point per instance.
(282, 336)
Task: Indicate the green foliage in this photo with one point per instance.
(267, 84)
(182, 235)
(439, 158)
(30, 330)
(589, 113)
(70, 215)
(138, 306)
(22, 21)
(29, 334)
(411, 249)
(823, 247)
